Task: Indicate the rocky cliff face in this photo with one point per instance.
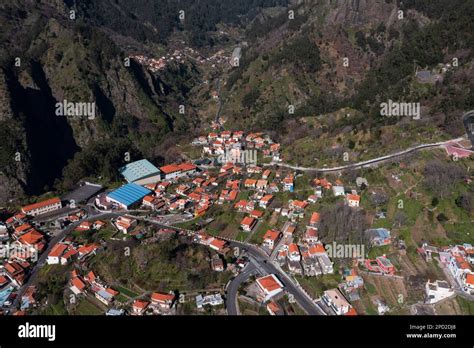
(47, 59)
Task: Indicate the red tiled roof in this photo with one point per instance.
(78, 283)
(42, 204)
(352, 197)
(268, 283)
(170, 168)
(266, 198)
(22, 228)
(271, 235)
(470, 279)
(257, 213)
(31, 237)
(293, 248)
(316, 249)
(3, 280)
(161, 297)
(218, 243)
(58, 250)
(247, 221)
(315, 217)
(352, 311)
(86, 249)
(141, 304)
(187, 166)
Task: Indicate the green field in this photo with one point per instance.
(85, 307)
(125, 291)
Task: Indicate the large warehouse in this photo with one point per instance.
(140, 172)
(128, 195)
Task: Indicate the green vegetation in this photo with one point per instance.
(52, 280)
(315, 286)
(467, 307)
(168, 265)
(102, 158)
(300, 51)
(86, 307)
(125, 291)
(55, 309)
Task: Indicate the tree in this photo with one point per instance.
(379, 199)
(400, 218)
(466, 201)
(441, 177)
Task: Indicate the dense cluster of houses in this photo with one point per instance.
(191, 189)
(91, 285)
(458, 260)
(307, 257)
(67, 251)
(159, 303)
(24, 242)
(233, 145)
(155, 65)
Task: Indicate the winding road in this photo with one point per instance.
(33, 274)
(370, 162)
(261, 263)
(264, 265)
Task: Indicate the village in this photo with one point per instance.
(260, 222)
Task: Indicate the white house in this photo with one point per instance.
(336, 301)
(353, 200)
(294, 252)
(55, 254)
(338, 190)
(437, 291)
(270, 286)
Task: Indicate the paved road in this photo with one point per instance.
(265, 265)
(33, 274)
(233, 288)
(368, 162)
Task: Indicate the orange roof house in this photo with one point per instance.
(265, 201)
(270, 238)
(170, 168)
(353, 200)
(250, 183)
(470, 279)
(316, 249)
(315, 218)
(299, 204)
(323, 182)
(248, 223)
(269, 283)
(31, 207)
(57, 250)
(270, 286)
(257, 214)
(271, 235)
(218, 244)
(160, 297)
(139, 306)
(78, 283)
(31, 238)
(22, 228)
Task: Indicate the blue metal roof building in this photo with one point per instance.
(139, 171)
(128, 194)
